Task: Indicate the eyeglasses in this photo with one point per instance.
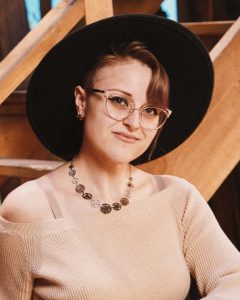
(119, 106)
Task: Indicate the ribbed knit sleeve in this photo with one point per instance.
(211, 257)
(15, 276)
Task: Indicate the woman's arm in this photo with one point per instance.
(211, 257)
(15, 275)
(19, 211)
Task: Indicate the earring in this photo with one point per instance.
(79, 117)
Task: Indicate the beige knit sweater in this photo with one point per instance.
(145, 251)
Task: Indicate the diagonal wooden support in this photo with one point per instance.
(96, 10)
(22, 60)
(209, 28)
(213, 150)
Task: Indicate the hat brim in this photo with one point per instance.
(50, 102)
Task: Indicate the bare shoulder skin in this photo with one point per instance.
(26, 204)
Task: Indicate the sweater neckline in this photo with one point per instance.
(49, 225)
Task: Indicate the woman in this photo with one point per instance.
(97, 227)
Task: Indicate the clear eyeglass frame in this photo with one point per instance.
(108, 93)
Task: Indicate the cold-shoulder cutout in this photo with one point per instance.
(27, 203)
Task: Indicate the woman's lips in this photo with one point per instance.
(126, 137)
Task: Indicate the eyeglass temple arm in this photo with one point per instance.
(90, 90)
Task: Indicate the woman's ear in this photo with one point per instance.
(80, 100)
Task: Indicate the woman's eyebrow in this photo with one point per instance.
(122, 91)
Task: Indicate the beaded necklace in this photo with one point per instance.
(104, 207)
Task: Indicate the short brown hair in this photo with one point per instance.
(158, 89)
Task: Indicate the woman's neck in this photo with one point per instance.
(103, 178)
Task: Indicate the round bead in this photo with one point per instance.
(130, 185)
(116, 206)
(80, 188)
(95, 203)
(124, 201)
(75, 180)
(72, 172)
(105, 208)
(87, 196)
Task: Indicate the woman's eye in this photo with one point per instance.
(118, 101)
(151, 111)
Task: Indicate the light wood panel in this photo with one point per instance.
(29, 168)
(212, 151)
(136, 6)
(21, 61)
(96, 10)
(209, 28)
(13, 24)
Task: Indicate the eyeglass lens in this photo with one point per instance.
(119, 107)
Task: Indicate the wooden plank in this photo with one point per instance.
(13, 27)
(14, 104)
(18, 140)
(96, 10)
(209, 28)
(21, 61)
(121, 7)
(21, 172)
(226, 39)
(27, 167)
(33, 164)
(13, 24)
(212, 151)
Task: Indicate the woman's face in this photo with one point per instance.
(118, 141)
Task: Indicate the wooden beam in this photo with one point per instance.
(29, 168)
(14, 104)
(209, 28)
(96, 10)
(21, 61)
(13, 24)
(209, 155)
(121, 7)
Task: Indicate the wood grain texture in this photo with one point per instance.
(209, 28)
(96, 10)
(212, 151)
(29, 168)
(22, 60)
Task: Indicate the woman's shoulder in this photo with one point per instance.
(25, 204)
(170, 180)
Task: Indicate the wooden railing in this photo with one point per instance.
(211, 152)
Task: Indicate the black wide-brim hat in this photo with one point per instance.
(50, 101)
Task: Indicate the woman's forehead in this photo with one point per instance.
(124, 72)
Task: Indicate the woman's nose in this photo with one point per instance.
(133, 120)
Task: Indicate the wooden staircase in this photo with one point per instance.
(205, 159)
